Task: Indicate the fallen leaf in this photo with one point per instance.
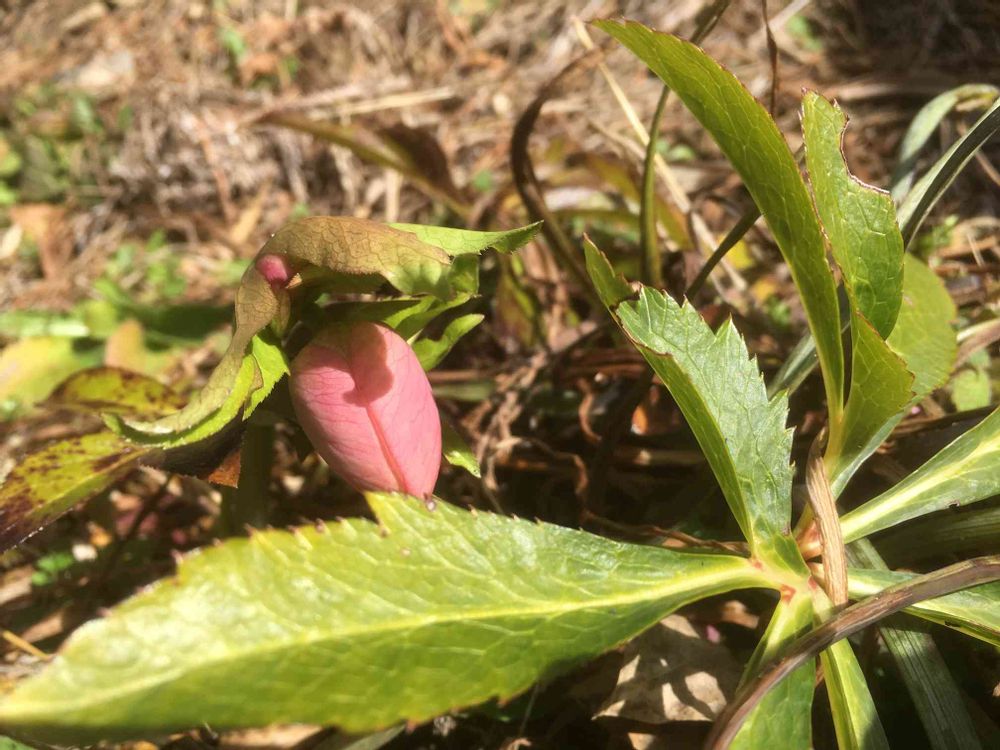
(672, 673)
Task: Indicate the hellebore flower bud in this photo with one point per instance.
(275, 269)
(365, 402)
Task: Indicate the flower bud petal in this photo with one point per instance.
(275, 269)
(365, 402)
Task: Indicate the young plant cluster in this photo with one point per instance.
(433, 608)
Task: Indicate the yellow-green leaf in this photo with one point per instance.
(359, 625)
(964, 472)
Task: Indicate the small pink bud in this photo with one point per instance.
(275, 269)
(365, 402)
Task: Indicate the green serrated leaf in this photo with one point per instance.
(456, 451)
(430, 352)
(721, 393)
(783, 718)
(465, 241)
(359, 625)
(965, 471)
(753, 144)
(116, 391)
(50, 481)
(974, 611)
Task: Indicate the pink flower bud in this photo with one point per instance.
(365, 402)
(275, 269)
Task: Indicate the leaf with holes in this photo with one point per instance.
(115, 391)
(53, 479)
(860, 223)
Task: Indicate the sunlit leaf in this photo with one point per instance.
(465, 241)
(240, 391)
(964, 472)
(721, 393)
(115, 391)
(855, 719)
(359, 625)
(860, 220)
(20, 324)
(272, 366)
(753, 144)
(972, 388)
(860, 223)
(31, 368)
(58, 476)
(854, 716)
(924, 336)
